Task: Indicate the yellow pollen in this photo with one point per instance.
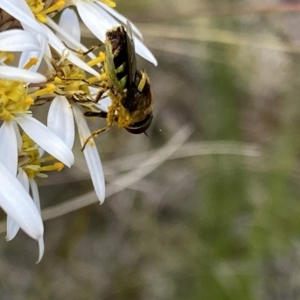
(37, 7)
(32, 62)
(104, 76)
(20, 106)
(98, 59)
(31, 162)
(109, 3)
(41, 18)
(55, 167)
(49, 89)
(58, 80)
(29, 101)
(5, 115)
(13, 99)
(47, 158)
(93, 79)
(9, 58)
(56, 6)
(6, 57)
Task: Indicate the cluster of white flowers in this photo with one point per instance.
(29, 148)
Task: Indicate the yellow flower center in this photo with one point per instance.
(31, 162)
(40, 12)
(13, 99)
(70, 79)
(72, 82)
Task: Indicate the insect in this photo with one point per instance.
(128, 88)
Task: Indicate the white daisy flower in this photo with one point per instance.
(31, 164)
(14, 104)
(33, 17)
(15, 99)
(61, 121)
(14, 197)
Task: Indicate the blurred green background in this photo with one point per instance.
(209, 206)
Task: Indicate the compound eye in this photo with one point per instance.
(140, 127)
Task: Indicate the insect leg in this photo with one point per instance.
(100, 114)
(93, 48)
(94, 134)
(86, 52)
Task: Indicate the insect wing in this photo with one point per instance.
(131, 58)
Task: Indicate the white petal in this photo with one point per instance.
(46, 139)
(18, 12)
(18, 40)
(69, 22)
(61, 48)
(121, 18)
(36, 199)
(92, 19)
(41, 249)
(12, 226)
(91, 154)
(18, 135)
(105, 17)
(23, 178)
(143, 51)
(48, 60)
(16, 202)
(17, 74)
(41, 152)
(35, 194)
(9, 147)
(104, 104)
(60, 120)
